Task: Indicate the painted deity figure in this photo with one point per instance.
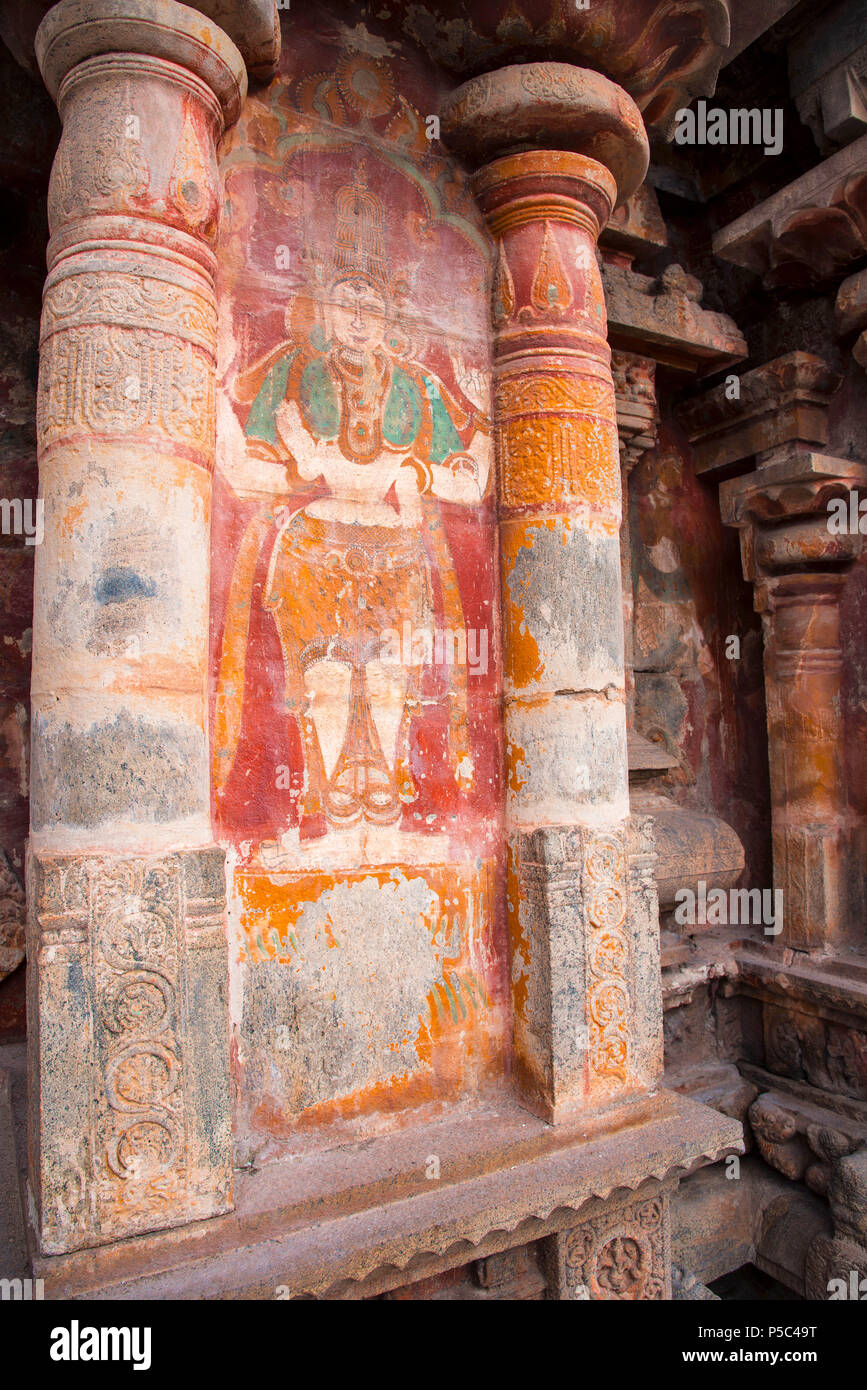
(361, 439)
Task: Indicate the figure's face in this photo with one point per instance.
(357, 315)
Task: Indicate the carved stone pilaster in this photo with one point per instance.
(798, 569)
(797, 563)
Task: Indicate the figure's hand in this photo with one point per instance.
(473, 381)
(248, 472)
(464, 477)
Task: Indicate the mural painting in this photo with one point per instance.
(355, 723)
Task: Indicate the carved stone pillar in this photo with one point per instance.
(586, 991)
(797, 562)
(130, 1123)
(799, 570)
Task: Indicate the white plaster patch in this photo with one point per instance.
(358, 986)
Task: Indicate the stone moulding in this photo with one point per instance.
(811, 230)
(331, 1225)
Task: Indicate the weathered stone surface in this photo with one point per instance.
(809, 231)
(662, 318)
(623, 1255)
(13, 918)
(662, 54)
(565, 722)
(689, 847)
(130, 1126)
(350, 1223)
(827, 70)
(330, 613)
(782, 402)
(588, 1017)
(555, 104)
(851, 313)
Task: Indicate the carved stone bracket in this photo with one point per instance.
(811, 230)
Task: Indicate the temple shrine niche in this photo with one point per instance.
(432, 820)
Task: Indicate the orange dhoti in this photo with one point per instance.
(336, 592)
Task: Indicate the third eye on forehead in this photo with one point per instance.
(361, 296)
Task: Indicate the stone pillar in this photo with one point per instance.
(130, 1121)
(797, 561)
(799, 571)
(585, 962)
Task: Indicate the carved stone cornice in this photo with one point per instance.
(781, 402)
(808, 232)
(828, 76)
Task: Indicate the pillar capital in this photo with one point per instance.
(77, 31)
(551, 109)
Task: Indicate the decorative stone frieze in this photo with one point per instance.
(624, 1254)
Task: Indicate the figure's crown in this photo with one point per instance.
(359, 234)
